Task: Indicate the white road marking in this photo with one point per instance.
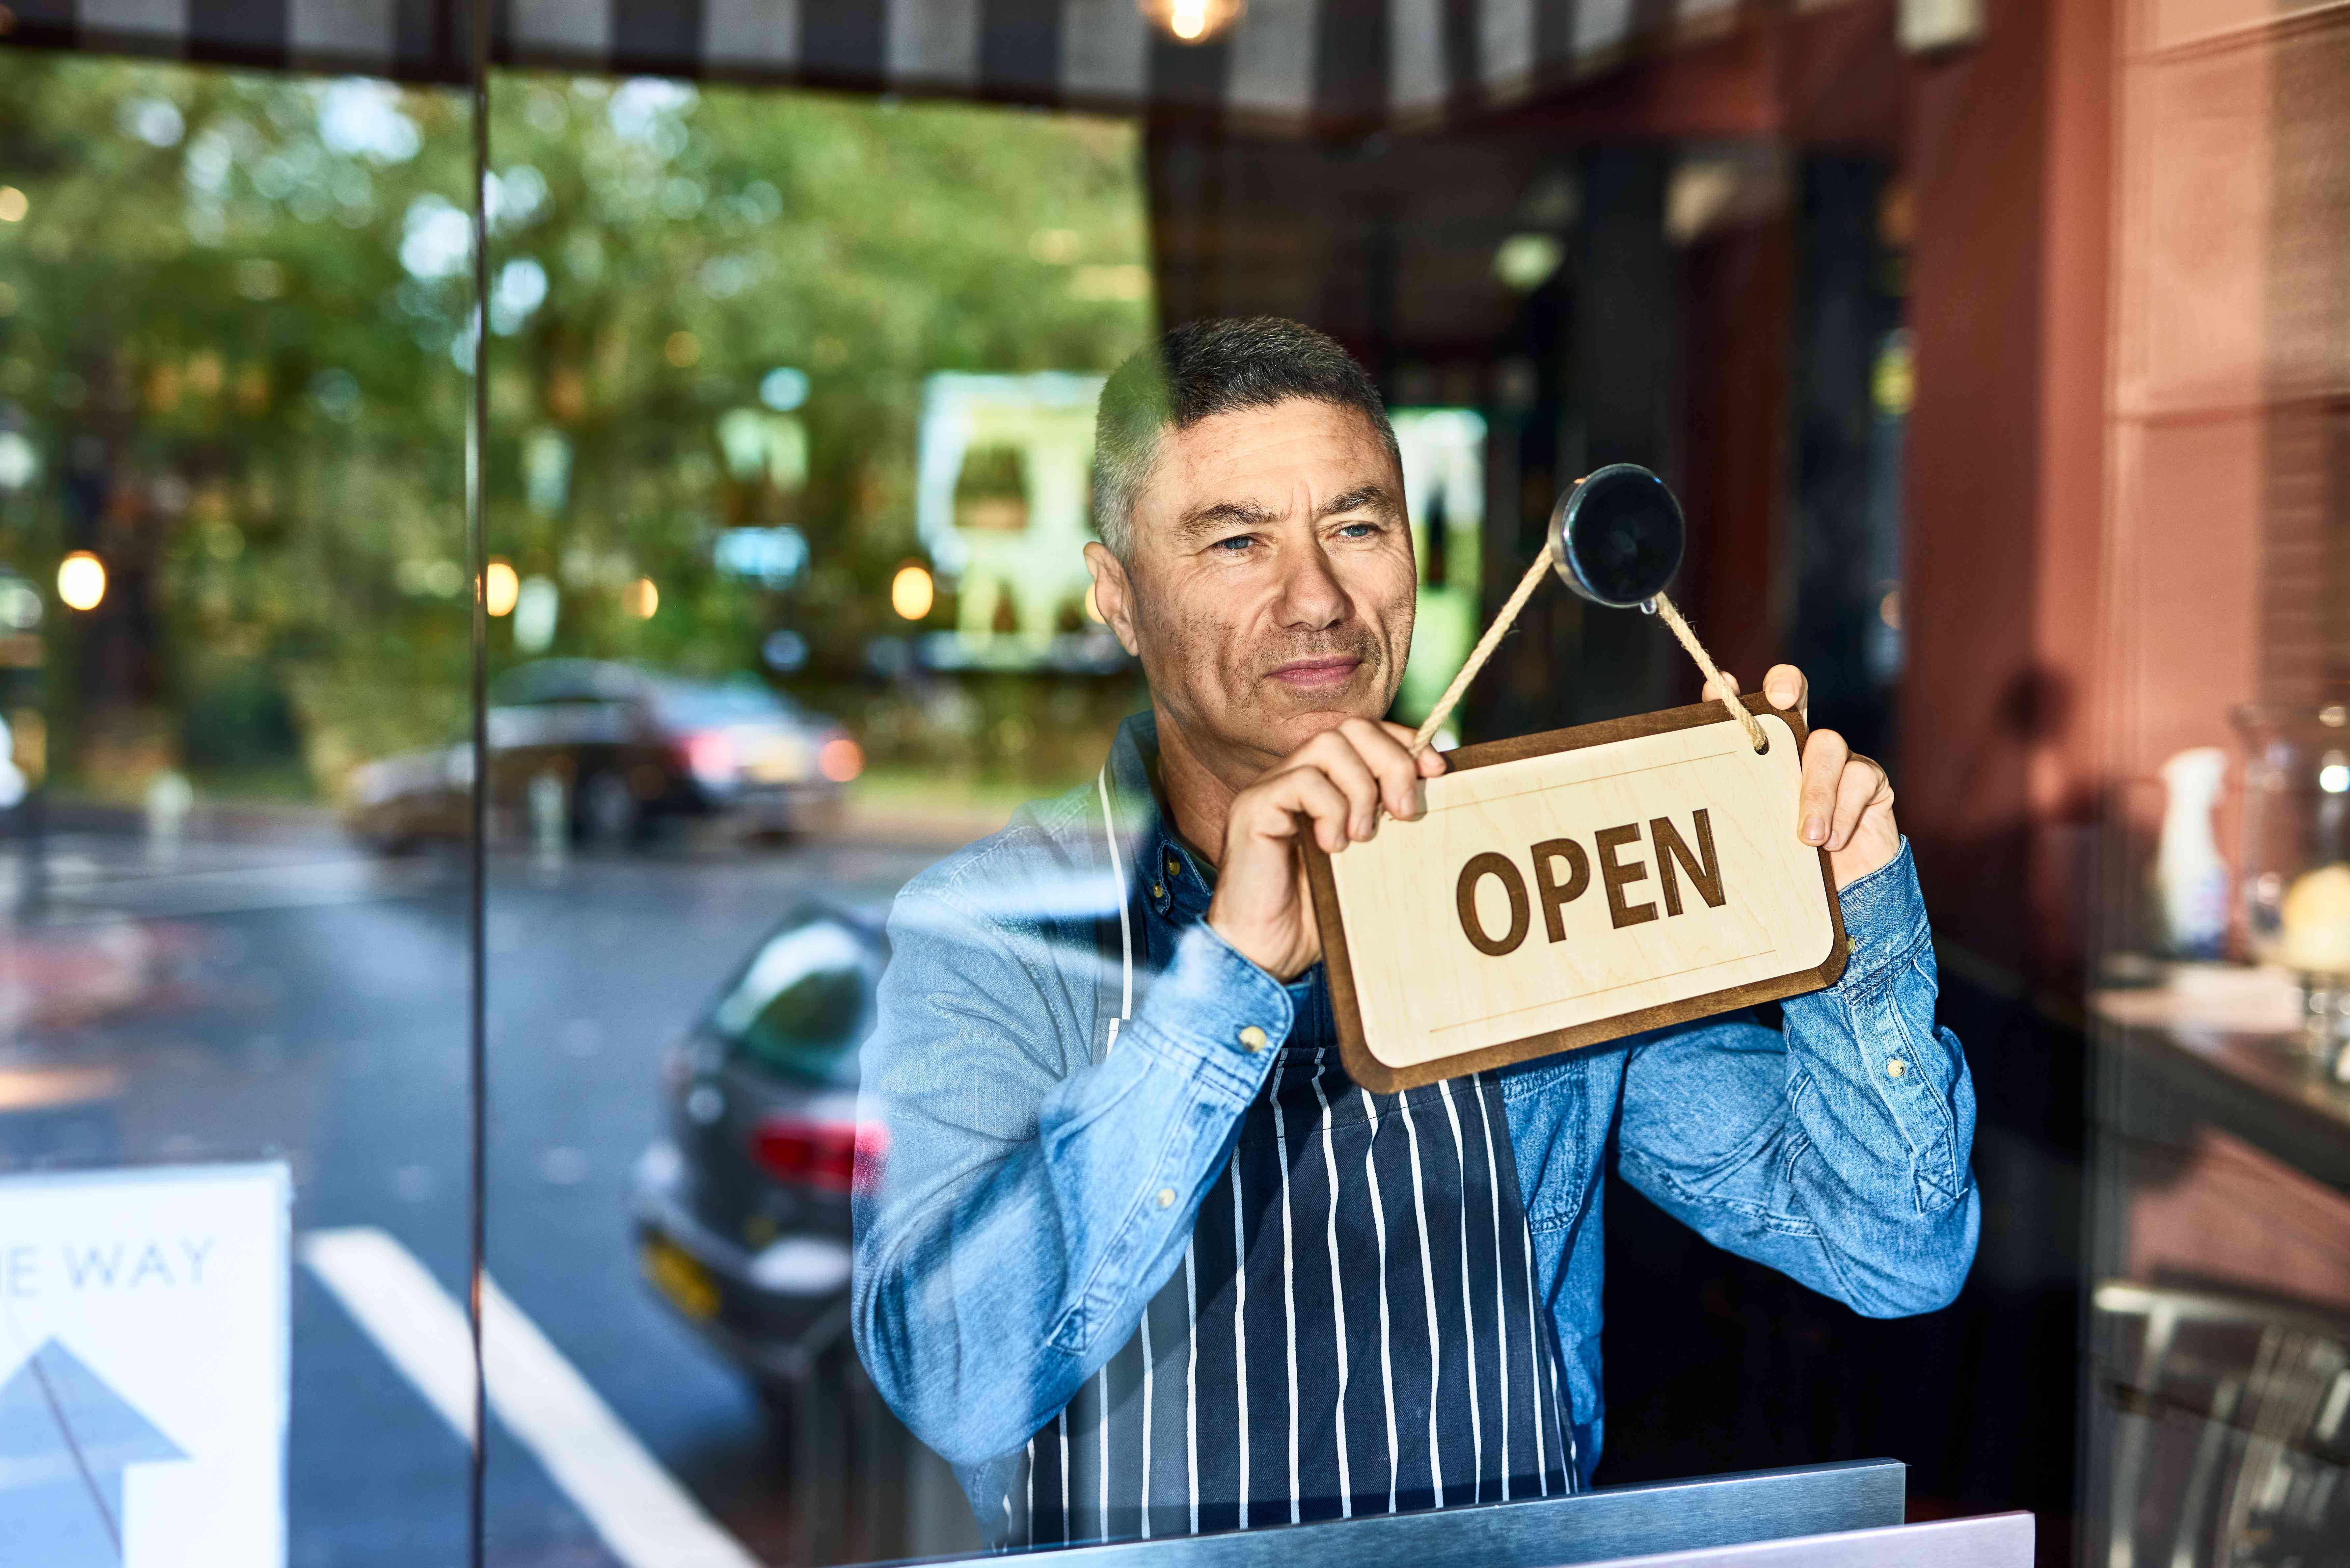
(643, 1515)
(415, 1323)
(170, 895)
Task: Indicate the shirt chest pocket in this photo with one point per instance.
(1555, 1137)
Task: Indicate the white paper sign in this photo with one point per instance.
(144, 1368)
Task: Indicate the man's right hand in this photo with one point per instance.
(1334, 786)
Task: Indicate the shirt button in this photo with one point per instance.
(1157, 891)
(1166, 1197)
(1174, 867)
(1896, 1067)
(1252, 1040)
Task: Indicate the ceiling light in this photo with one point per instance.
(1194, 21)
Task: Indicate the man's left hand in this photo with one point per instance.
(1847, 802)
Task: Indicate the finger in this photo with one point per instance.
(1307, 792)
(1713, 691)
(1786, 688)
(1823, 760)
(1337, 760)
(1430, 760)
(1856, 788)
(1391, 762)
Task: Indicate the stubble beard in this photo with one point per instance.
(1236, 705)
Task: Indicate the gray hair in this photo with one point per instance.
(1206, 368)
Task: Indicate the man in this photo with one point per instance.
(1139, 1259)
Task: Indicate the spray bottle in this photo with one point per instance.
(2191, 879)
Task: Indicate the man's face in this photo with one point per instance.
(1269, 592)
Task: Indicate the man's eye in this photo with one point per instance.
(1234, 544)
(1358, 531)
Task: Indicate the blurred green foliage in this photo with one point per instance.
(235, 324)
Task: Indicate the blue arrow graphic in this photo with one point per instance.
(65, 1438)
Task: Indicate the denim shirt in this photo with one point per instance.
(1053, 1116)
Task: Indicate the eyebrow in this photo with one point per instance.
(1207, 519)
(1376, 498)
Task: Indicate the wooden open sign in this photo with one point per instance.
(1575, 886)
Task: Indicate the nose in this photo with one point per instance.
(1311, 598)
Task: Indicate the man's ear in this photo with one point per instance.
(1113, 595)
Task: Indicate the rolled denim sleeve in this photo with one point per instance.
(1030, 1200)
(1837, 1151)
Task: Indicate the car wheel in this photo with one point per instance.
(609, 812)
(784, 1412)
(780, 1399)
(384, 838)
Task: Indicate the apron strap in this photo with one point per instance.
(1116, 935)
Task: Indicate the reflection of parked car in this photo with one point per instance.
(614, 748)
(742, 1212)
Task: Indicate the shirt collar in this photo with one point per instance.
(1182, 882)
(1175, 879)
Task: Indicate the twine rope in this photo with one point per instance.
(1482, 652)
(1746, 720)
(1500, 627)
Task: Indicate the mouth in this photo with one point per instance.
(1317, 674)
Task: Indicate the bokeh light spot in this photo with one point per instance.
(81, 580)
(840, 759)
(911, 592)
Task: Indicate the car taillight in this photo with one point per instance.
(832, 1157)
(840, 759)
(709, 756)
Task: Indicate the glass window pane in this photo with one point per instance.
(232, 1047)
(755, 670)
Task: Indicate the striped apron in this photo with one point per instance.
(1356, 1329)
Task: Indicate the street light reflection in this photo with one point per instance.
(500, 588)
(81, 580)
(911, 592)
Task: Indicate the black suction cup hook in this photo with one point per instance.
(1616, 537)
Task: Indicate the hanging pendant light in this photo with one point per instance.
(1194, 21)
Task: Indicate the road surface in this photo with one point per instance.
(298, 999)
